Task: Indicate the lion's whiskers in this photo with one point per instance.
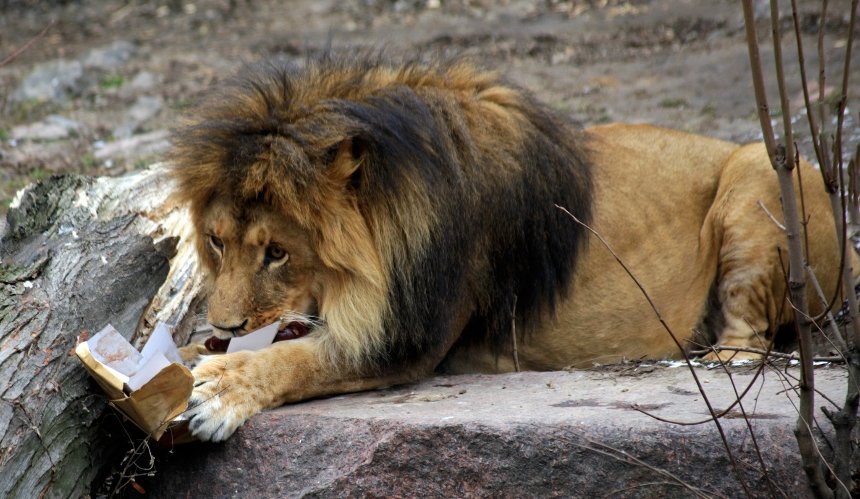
(309, 320)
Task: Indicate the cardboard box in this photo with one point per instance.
(151, 387)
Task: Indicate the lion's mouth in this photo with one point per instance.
(291, 331)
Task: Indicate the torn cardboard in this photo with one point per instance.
(150, 387)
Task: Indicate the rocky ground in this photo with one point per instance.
(102, 82)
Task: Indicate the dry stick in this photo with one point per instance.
(785, 110)
(797, 281)
(770, 485)
(618, 492)
(813, 127)
(20, 50)
(770, 215)
(845, 419)
(843, 97)
(821, 70)
(707, 420)
(622, 456)
(831, 321)
(514, 334)
(675, 340)
(784, 375)
(778, 355)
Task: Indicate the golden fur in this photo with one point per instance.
(410, 212)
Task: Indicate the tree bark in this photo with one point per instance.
(77, 254)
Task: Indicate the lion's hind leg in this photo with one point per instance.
(752, 255)
(750, 288)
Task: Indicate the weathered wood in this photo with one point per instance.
(77, 254)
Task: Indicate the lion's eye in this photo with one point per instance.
(274, 254)
(216, 243)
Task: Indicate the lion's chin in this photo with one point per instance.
(291, 331)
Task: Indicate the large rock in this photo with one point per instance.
(525, 435)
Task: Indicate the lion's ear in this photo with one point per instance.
(347, 157)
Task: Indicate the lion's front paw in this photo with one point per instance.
(193, 354)
(223, 398)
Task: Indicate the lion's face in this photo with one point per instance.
(262, 265)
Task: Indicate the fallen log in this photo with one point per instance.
(76, 254)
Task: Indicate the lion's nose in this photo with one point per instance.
(233, 329)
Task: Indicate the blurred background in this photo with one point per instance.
(95, 86)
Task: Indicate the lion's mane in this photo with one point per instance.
(451, 210)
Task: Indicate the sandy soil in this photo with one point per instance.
(123, 72)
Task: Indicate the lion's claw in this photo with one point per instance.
(216, 407)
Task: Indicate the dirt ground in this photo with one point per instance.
(99, 91)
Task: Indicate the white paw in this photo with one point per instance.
(217, 406)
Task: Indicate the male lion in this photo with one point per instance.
(402, 219)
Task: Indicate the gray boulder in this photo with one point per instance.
(571, 434)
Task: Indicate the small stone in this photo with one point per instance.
(110, 56)
(50, 81)
(143, 109)
(54, 127)
(145, 80)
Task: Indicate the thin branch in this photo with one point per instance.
(813, 126)
(514, 335)
(777, 355)
(767, 477)
(770, 215)
(828, 314)
(20, 50)
(710, 419)
(783, 93)
(821, 70)
(675, 340)
(624, 457)
(843, 96)
(758, 78)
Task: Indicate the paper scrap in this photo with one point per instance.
(117, 354)
(148, 370)
(114, 352)
(256, 340)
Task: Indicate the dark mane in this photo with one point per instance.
(459, 176)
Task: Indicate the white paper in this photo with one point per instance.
(256, 340)
(130, 366)
(112, 350)
(161, 341)
(148, 370)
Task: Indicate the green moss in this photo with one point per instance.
(111, 81)
(88, 162)
(673, 103)
(709, 110)
(180, 104)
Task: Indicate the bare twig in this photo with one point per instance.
(765, 353)
(783, 375)
(821, 70)
(770, 215)
(675, 340)
(828, 314)
(624, 457)
(813, 126)
(514, 335)
(738, 398)
(20, 50)
(782, 159)
(710, 419)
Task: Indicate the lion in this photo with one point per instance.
(406, 218)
